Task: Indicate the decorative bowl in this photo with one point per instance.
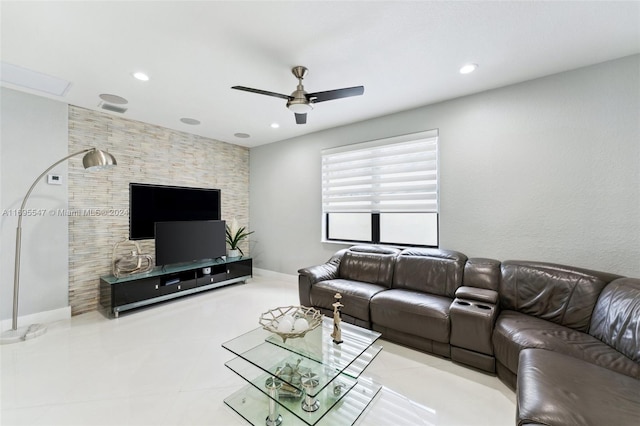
(271, 319)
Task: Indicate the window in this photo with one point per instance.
(382, 192)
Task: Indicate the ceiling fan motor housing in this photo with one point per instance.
(299, 103)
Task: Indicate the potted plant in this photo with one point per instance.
(235, 235)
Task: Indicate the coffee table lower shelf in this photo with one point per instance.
(253, 406)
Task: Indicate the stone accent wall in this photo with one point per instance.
(99, 201)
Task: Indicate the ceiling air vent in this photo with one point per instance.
(112, 108)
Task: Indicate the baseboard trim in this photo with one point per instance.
(38, 318)
(275, 275)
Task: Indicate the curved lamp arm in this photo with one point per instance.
(33, 185)
(95, 159)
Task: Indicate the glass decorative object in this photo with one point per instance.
(130, 263)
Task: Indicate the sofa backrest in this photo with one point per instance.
(482, 273)
(557, 293)
(371, 264)
(616, 317)
(432, 271)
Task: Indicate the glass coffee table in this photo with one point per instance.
(303, 381)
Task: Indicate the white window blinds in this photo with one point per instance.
(397, 174)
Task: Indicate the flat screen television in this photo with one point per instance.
(186, 241)
(149, 204)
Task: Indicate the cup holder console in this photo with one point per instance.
(465, 303)
(472, 326)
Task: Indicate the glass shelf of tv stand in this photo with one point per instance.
(336, 368)
(170, 269)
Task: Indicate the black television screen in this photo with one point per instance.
(185, 241)
(149, 204)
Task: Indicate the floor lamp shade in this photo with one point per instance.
(98, 160)
(94, 159)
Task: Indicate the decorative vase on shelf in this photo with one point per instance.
(234, 253)
(132, 262)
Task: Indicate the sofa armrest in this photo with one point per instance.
(326, 271)
(314, 274)
(477, 294)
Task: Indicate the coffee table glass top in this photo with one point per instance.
(312, 345)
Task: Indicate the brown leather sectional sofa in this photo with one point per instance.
(566, 339)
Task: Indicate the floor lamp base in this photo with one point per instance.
(22, 333)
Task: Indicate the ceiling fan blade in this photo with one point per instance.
(262, 92)
(330, 95)
(301, 118)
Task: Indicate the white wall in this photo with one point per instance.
(33, 136)
(545, 170)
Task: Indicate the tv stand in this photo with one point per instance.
(169, 282)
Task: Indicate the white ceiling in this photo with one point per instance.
(405, 53)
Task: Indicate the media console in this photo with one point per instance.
(165, 283)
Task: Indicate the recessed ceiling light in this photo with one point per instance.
(274, 125)
(191, 121)
(468, 68)
(242, 135)
(141, 76)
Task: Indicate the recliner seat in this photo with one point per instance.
(545, 305)
(358, 274)
(415, 310)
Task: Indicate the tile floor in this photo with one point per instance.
(164, 365)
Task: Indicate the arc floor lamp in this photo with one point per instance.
(94, 159)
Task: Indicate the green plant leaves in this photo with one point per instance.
(234, 240)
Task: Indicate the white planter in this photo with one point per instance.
(234, 253)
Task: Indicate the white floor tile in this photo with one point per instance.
(164, 365)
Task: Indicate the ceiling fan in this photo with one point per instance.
(301, 102)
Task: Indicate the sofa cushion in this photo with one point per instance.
(616, 318)
(431, 271)
(355, 296)
(413, 312)
(557, 293)
(515, 331)
(556, 389)
(369, 264)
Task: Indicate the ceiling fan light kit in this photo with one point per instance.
(300, 102)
